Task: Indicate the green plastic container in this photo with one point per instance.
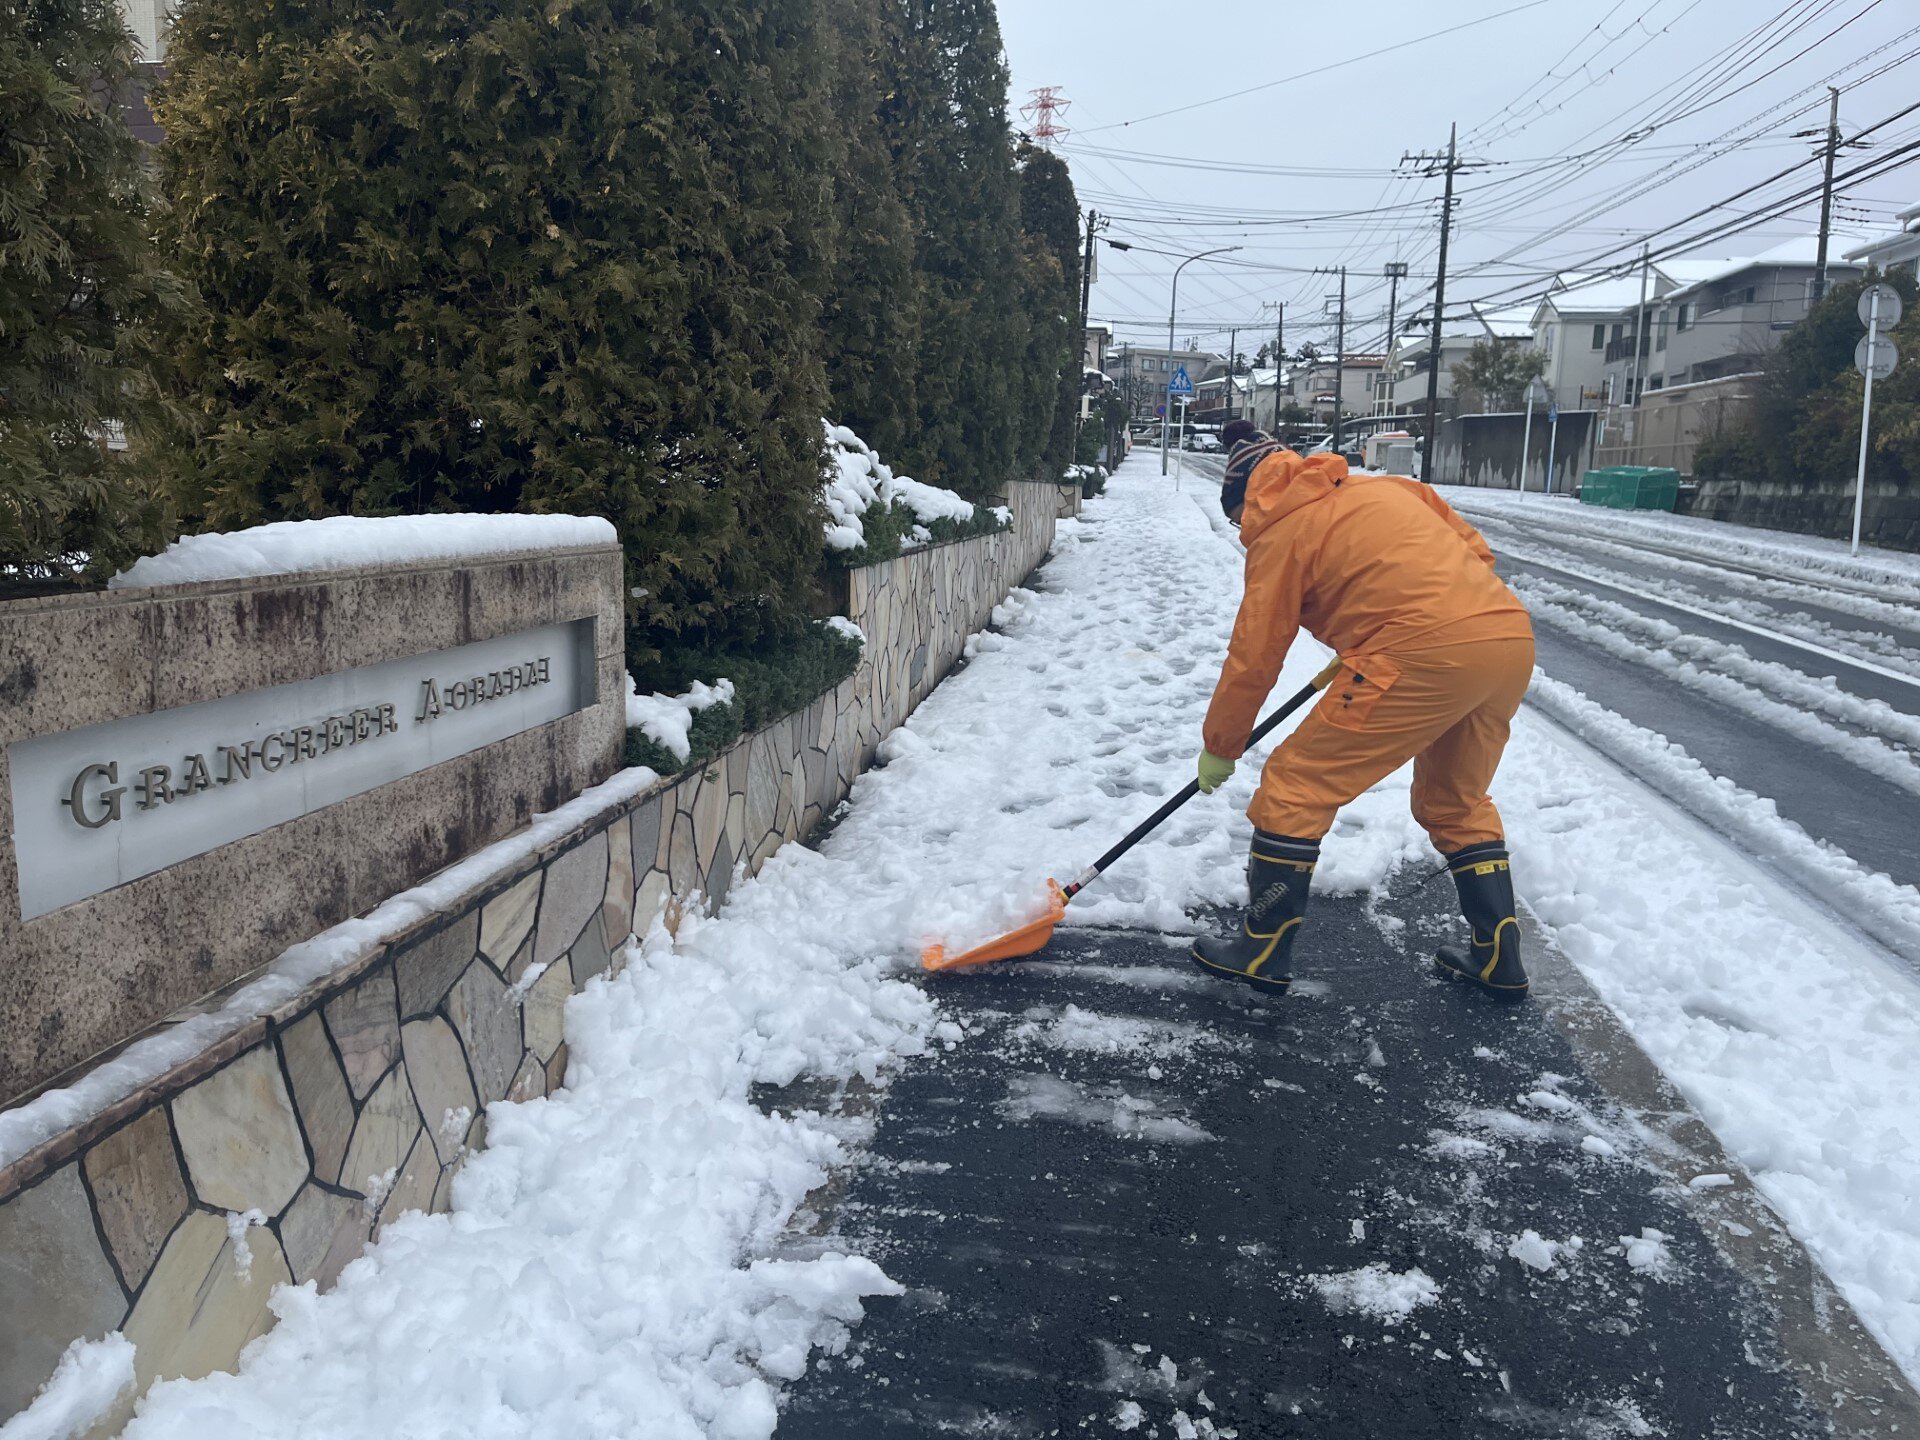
(1631, 487)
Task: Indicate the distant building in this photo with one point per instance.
(1403, 385)
(1574, 325)
(148, 19)
(1141, 372)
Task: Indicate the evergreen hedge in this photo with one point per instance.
(887, 529)
(79, 286)
(768, 683)
(610, 257)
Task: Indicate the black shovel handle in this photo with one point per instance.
(1192, 788)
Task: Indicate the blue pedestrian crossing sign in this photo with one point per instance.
(1180, 384)
(1553, 412)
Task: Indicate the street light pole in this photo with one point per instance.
(1173, 310)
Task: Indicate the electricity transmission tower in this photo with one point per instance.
(1041, 114)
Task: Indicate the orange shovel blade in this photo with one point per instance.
(1026, 940)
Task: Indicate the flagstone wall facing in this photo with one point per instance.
(358, 1099)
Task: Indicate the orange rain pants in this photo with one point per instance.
(1436, 651)
(1447, 709)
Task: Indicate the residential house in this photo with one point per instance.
(1897, 251)
(1311, 386)
(1574, 325)
(1097, 342)
(1728, 319)
(1403, 388)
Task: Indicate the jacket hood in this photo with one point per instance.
(1286, 482)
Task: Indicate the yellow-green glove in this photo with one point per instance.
(1213, 772)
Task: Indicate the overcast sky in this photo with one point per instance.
(1725, 83)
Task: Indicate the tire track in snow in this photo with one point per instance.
(1753, 604)
(1764, 689)
(1864, 900)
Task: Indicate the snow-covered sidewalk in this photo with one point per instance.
(598, 1275)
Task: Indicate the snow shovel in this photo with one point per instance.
(1034, 935)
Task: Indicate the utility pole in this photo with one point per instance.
(1233, 342)
(1340, 363)
(1279, 358)
(1396, 272)
(1826, 194)
(1449, 166)
(1094, 225)
(1636, 370)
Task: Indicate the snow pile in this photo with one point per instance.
(598, 1276)
(857, 480)
(85, 1386)
(344, 542)
(1389, 1295)
(666, 719)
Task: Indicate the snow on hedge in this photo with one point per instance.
(857, 479)
(667, 719)
(345, 542)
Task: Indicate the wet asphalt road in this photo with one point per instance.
(1132, 1186)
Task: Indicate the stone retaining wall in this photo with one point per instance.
(357, 1099)
(1891, 515)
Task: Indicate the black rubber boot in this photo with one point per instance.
(1260, 952)
(1482, 876)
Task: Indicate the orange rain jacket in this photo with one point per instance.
(1371, 565)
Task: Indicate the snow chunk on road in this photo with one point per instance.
(1647, 1252)
(346, 542)
(1375, 1290)
(1536, 1252)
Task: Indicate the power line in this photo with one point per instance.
(1319, 70)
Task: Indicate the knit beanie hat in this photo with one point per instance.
(1236, 430)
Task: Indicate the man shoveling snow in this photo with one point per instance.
(1435, 655)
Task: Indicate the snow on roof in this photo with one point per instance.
(1906, 231)
(346, 542)
(1513, 323)
(1801, 251)
(1584, 295)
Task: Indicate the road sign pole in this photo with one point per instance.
(1526, 439)
(1866, 418)
(1553, 443)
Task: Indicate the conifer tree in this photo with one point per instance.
(1050, 388)
(870, 317)
(78, 284)
(966, 212)
(513, 255)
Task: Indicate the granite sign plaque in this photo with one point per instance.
(97, 807)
